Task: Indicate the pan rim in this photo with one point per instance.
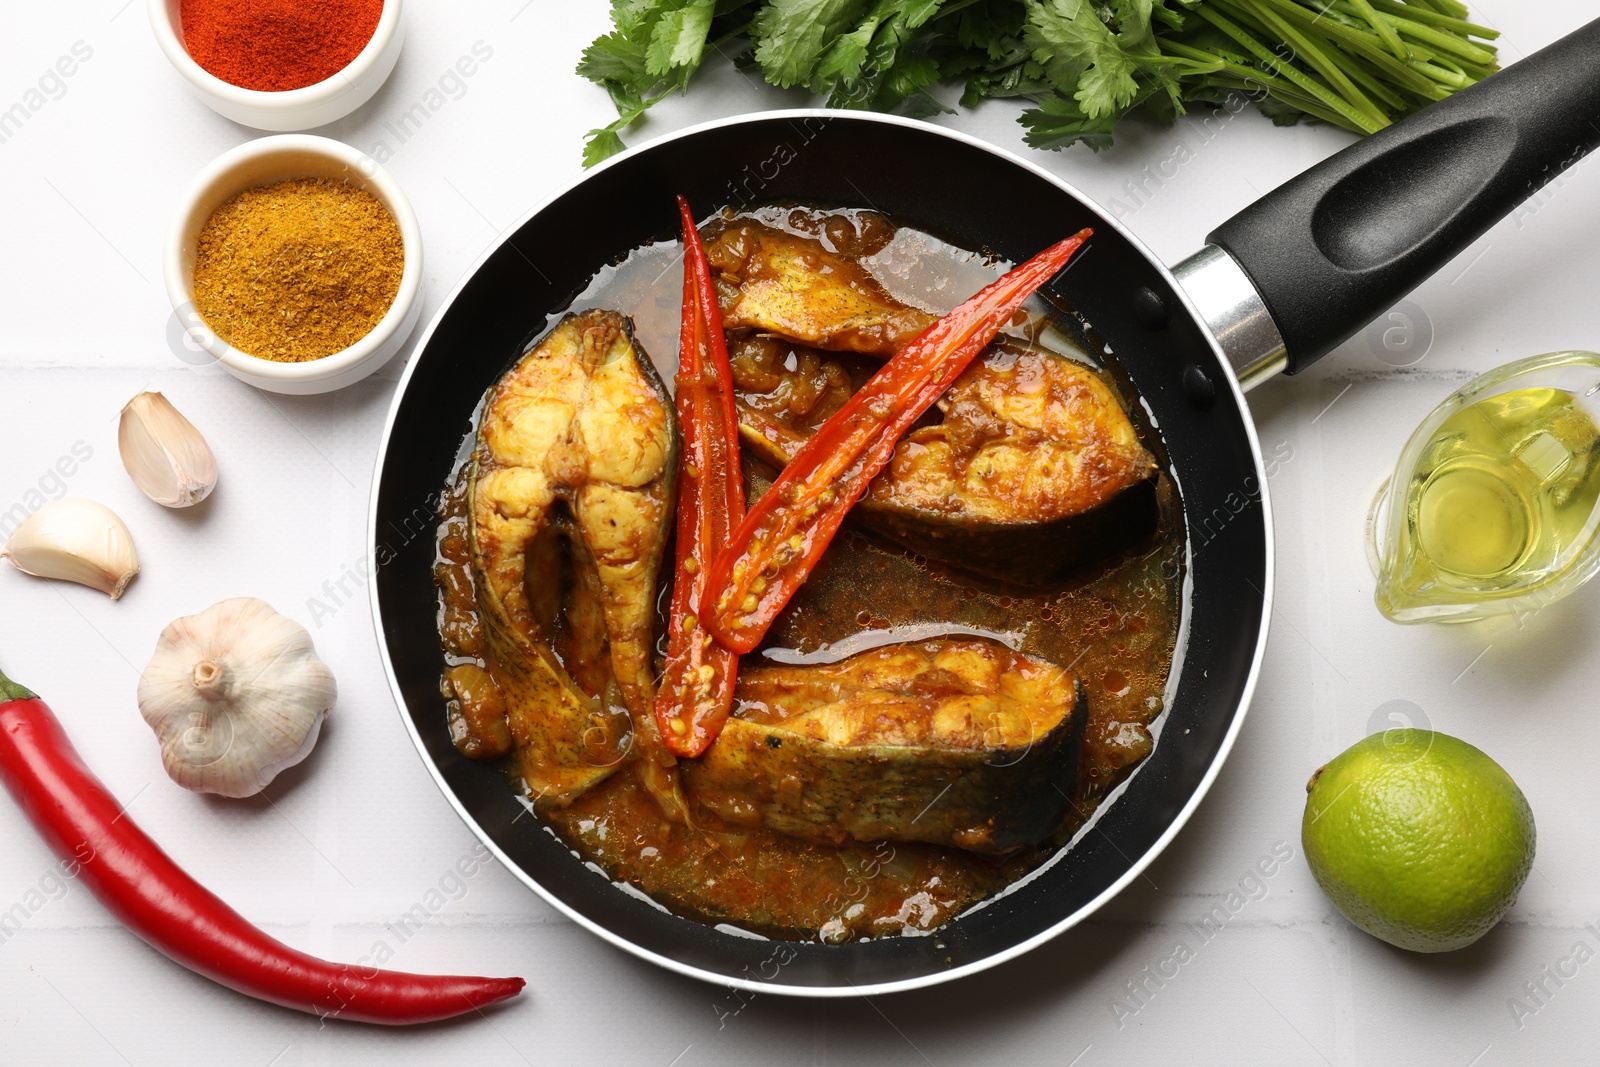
(848, 990)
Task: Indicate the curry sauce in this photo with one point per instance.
(1113, 624)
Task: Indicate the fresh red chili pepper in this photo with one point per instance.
(139, 884)
(786, 531)
(696, 691)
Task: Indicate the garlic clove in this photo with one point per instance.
(235, 695)
(75, 540)
(164, 454)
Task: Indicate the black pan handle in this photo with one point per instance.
(1333, 248)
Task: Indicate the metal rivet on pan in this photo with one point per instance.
(1150, 308)
(1198, 384)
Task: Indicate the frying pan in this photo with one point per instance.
(1275, 288)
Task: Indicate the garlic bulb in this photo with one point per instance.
(163, 452)
(235, 694)
(76, 540)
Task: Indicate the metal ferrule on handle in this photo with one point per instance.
(1231, 307)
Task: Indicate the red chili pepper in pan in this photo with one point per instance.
(139, 884)
(696, 691)
(786, 531)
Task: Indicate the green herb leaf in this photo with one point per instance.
(1132, 20)
(679, 37)
(1084, 63)
(910, 79)
(848, 53)
(1081, 56)
(602, 144)
(612, 58)
(792, 35)
(1058, 121)
(878, 36)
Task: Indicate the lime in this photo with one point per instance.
(1418, 838)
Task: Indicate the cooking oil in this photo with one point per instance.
(1495, 509)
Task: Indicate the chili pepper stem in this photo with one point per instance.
(10, 690)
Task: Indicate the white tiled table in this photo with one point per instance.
(360, 834)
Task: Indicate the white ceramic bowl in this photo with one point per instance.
(260, 162)
(292, 109)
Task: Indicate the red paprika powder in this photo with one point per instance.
(276, 45)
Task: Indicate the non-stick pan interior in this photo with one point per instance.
(941, 183)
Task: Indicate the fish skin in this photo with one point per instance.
(954, 742)
(1034, 469)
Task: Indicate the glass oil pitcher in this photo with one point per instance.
(1494, 505)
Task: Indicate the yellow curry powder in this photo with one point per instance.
(298, 269)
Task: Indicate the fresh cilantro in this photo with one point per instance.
(1083, 64)
(679, 38)
(792, 36)
(603, 143)
(612, 59)
(1081, 56)
(1058, 121)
